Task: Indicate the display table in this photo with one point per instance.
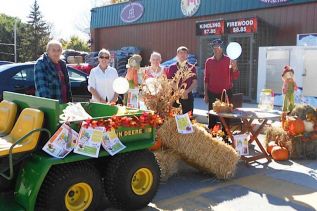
(247, 116)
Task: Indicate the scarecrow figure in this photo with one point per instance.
(132, 72)
(131, 99)
(289, 86)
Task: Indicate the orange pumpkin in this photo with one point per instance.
(279, 153)
(294, 126)
(157, 145)
(270, 146)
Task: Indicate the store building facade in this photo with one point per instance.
(163, 25)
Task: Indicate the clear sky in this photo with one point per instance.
(68, 17)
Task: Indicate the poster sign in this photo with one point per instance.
(111, 143)
(242, 143)
(189, 7)
(242, 25)
(184, 125)
(274, 1)
(210, 28)
(89, 141)
(132, 12)
(62, 142)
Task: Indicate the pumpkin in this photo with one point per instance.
(270, 146)
(157, 145)
(294, 126)
(279, 153)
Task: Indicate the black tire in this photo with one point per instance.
(121, 67)
(61, 178)
(119, 175)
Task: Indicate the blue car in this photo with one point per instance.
(5, 62)
(19, 77)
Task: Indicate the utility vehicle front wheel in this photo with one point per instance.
(73, 186)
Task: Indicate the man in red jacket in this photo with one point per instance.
(220, 71)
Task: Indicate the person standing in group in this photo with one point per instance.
(50, 74)
(101, 80)
(220, 71)
(154, 70)
(187, 100)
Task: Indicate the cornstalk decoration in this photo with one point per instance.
(162, 93)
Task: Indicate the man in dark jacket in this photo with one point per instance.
(51, 76)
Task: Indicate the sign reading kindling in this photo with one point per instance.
(243, 25)
(210, 28)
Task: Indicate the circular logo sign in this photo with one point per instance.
(190, 7)
(131, 12)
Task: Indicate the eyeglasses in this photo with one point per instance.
(216, 46)
(104, 57)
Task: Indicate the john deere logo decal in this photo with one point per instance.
(190, 7)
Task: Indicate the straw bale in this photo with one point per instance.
(200, 150)
(168, 161)
(281, 138)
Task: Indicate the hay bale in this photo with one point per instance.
(200, 150)
(169, 163)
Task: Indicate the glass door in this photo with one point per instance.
(244, 84)
(205, 51)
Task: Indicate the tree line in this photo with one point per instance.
(31, 38)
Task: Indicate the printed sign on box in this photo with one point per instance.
(111, 143)
(184, 125)
(62, 142)
(242, 143)
(89, 141)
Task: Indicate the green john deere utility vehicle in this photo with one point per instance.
(30, 179)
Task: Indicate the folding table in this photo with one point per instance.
(247, 116)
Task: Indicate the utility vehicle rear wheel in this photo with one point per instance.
(131, 179)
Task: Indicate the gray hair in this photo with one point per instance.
(104, 51)
(53, 42)
(154, 53)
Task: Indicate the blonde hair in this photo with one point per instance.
(53, 42)
(154, 53)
